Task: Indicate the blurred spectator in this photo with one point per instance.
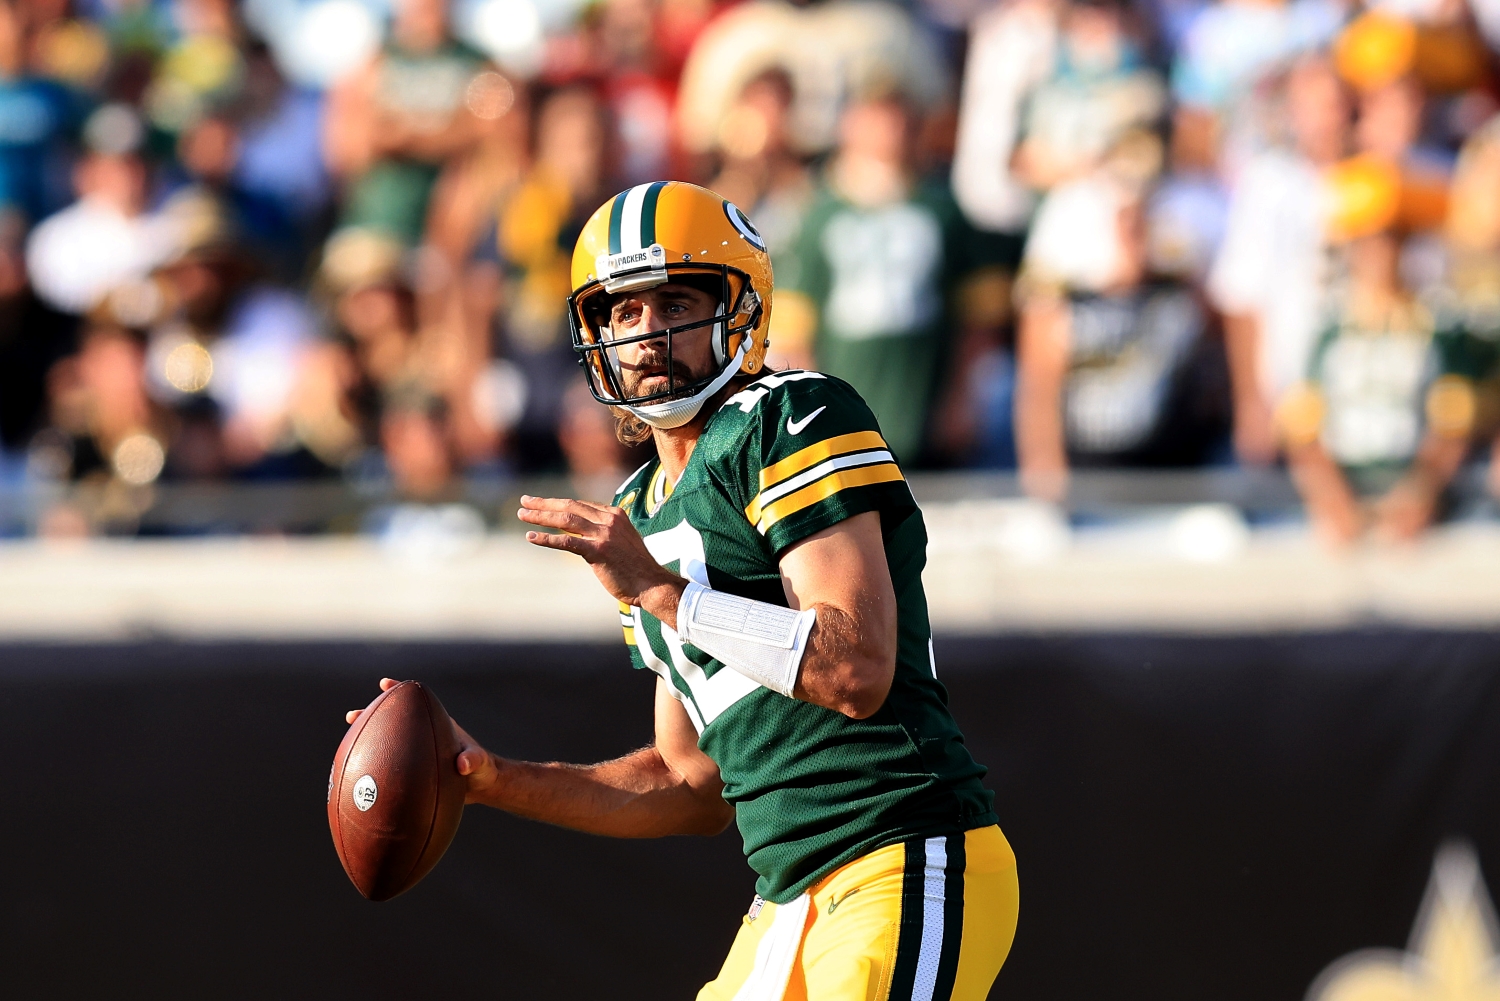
(226, 348)
(374, 306)
(107, 422)
(209, 152)
(876, 263)
(278, 155)
(1232, 43)
(1103, 352)
(765, 177)
(1391, 124)
(1189, 208)
(830, 50)
(32, 338)
(106, 238)
(517, 276)
(202, 70)
(760, 172)
(64, 47)
(391, 125)
(416, 446)
(639, 91)
(1048, 89)
(1270, 276)
(1389, 404)
(36, 117)
(1471, 285)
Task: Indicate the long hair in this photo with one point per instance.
(629, 428)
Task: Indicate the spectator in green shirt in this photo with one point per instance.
(874, 267)
(1387, 413)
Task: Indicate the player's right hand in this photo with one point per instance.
(473, 762)
(478, 766)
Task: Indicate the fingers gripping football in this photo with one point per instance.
(605, 538)
(473, 762)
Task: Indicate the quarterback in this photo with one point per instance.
(768, 570)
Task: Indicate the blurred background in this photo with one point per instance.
(1182, 315)
(318, 251)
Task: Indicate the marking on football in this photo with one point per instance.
(365, 793)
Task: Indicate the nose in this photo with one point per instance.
(651, 321)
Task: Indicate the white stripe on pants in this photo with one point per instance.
(934, 898)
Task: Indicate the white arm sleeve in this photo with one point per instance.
(762, 641)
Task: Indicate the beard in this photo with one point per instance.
(649, 376)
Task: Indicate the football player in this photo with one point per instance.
(768, 568)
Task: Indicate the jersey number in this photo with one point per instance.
(704, 697)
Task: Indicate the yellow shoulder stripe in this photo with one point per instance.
(813, 454)
(824, 488)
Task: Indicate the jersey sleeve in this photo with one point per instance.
(816, 458)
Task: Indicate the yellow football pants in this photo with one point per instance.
(928, 920)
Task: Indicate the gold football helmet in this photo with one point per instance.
(652, 234)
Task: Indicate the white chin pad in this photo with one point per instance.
(762, 641)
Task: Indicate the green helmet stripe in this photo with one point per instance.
(616, 212)
(648, 213)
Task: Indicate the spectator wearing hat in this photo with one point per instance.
(226, 347)
(373, 351)
(1384, 418)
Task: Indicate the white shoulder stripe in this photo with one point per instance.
(819, 471)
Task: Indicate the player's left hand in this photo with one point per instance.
(614, 549)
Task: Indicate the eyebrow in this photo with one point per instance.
(673, 294)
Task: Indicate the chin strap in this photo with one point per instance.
(675, 413)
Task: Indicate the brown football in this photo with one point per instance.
(395, 796)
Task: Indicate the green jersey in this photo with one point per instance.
(791, 455)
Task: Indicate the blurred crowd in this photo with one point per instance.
(297, 239)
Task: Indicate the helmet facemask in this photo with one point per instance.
(736, 316)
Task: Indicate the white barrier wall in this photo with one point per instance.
(994, 566)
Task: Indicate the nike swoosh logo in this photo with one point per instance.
(795, 427)
(834, 904)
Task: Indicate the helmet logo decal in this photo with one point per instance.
(744, 225)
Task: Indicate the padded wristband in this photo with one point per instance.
(762, 641)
